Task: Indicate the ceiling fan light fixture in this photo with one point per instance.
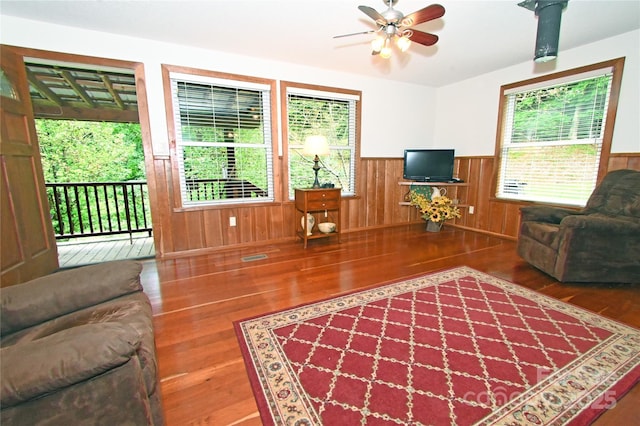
(377, 44)
(386, 51)
(393, 27)
(403, 43)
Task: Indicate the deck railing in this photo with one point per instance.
(82, 209)
(221, 188)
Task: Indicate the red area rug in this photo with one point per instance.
(456, 347)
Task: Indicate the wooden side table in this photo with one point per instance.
(317, 200)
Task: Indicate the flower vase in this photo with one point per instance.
(310, 222)
(434, 226)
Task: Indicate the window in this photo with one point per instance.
(555, 133)
(224, 148)
(332, 113)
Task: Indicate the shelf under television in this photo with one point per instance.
(430, 183)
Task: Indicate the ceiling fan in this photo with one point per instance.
(393, 24)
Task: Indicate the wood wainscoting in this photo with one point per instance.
(191, 231)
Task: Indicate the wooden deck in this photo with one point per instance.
(85, 251)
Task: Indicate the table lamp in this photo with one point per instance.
(316, 145)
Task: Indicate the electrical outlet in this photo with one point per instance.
(232, 221)
(471, 209)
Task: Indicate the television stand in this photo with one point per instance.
(433, 183)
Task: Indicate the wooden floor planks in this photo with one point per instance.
(196, 299)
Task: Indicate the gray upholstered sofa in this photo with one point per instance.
(77, 348)
(600, 243)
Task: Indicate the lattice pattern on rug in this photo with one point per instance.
(456, 347)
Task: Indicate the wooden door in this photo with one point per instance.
(28, 245)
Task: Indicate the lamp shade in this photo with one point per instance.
(377, 44)
(316, 145)
(385, 52)
(403, 43)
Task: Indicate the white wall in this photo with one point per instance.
(410, 109)
(467, 112)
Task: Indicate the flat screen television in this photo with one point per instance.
(424, 165)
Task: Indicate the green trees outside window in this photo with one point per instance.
(332, 115)
(553, 134)
(95, 178)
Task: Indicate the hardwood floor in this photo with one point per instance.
(196, 299)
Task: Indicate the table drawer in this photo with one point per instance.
(323, 204)
(323, 195)
(323, 199)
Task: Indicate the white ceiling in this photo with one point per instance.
(476, 37)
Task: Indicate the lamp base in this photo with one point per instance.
(316, 167)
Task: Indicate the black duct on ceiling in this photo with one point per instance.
(549, 13)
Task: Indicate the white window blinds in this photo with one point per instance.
(552, 140)
(223, 140)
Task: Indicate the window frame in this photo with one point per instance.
(178, 202)
(302, 87)
(616, 67)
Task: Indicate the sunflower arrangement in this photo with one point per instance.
(436, 209)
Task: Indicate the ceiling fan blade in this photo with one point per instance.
(423, 38)
(352, 34)
(423, 15)
(373, 14)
